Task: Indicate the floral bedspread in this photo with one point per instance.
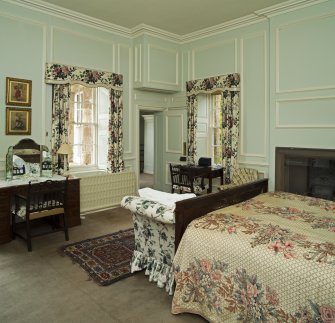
(268, 259)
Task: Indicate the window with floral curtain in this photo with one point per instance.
(229, 86)
(61, 77)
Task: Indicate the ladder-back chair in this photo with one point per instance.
(40, 200)
(183, 182)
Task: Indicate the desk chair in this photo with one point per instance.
(183, 182)
(40, 200)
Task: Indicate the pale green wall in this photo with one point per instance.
(30, 39)
(157, 64)
(285, 61)
(287, 72)
(244, 50)
(302, 79)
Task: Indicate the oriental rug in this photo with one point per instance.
(106, 258)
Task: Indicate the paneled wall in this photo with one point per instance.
(156, 64)
(246, 51)
(302, 110)
(287, 80)
(286, 62)
(33, 38)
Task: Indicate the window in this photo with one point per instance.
(216, 128)
(88, 126)
(209, 130)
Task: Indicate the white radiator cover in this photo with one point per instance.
(101, 190)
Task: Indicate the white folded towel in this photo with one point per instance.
(167, 199)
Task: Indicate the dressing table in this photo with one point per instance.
(28, 161)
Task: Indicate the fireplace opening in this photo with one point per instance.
(306, 171)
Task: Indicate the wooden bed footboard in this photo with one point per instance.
(190, 209)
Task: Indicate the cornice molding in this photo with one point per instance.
(144, 29)
(214, 30)
(287, 7)
(255, 17)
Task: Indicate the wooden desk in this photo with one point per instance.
(9, 189)
(208, 172)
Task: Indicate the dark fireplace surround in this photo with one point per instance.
(306, 171)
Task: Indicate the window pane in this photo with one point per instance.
(103, 119)
(217, 137)
(83, 141)
(88, 113)
(104, 100)
(83, 155)
(76, 157)
(217, 154)
(88, 125)
(216, 124)
(102, 151)
(217, 119)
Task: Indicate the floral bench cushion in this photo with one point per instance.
(150, 209)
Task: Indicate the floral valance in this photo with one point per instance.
(212, 84)
(64, 74)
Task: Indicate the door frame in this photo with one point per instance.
(153, 109)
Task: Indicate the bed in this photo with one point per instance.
(158, 228)
(270, 258)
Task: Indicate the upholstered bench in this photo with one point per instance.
(154, 229)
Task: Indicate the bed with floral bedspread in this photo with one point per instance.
(268, 259)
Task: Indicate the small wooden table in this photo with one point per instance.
(208, 172)
(9, 188)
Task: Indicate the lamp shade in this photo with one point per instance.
(64, 149)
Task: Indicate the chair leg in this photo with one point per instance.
(66, 231)
(13, 226)
(28, 236)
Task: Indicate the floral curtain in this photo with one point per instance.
(61, 76)
(60, 122)
(229, 85)
(115, 161)
(230, 132)
(192, 113)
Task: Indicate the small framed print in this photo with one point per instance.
(18, 121)
(18, 92)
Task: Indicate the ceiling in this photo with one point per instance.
(179, 17)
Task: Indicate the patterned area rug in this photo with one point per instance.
(107, 258)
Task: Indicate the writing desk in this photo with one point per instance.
(208, 172)
(9, 188)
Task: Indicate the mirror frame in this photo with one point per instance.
(32, 153)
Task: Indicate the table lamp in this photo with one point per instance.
(65, 150)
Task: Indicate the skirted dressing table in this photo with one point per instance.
(28, 161)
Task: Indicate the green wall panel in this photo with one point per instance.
(303, 57)
(79, 49)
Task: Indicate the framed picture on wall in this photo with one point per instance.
(18, 121)
(18, 92)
